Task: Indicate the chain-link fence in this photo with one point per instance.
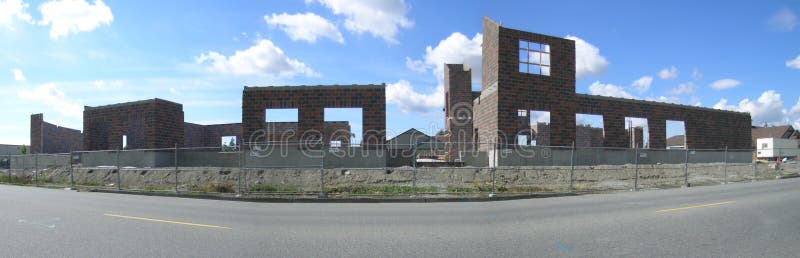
(303, 170)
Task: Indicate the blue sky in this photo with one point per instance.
(58, 56)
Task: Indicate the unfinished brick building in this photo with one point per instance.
(147, 124)
(310, 102)
(50, 138)
(525, 71)
(521, 72)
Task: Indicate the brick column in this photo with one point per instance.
(658, 132)
(615, 134)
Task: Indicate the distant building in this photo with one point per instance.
(6, 149)
(676, 142)
(780, 132)
(540, 132)
(775, 148)
(635, 137)
(588, 136)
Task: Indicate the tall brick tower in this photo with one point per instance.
(458, 108)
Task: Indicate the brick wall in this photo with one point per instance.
(458, 108)
(50, 138)
(311, 102)
(150, 124)
(506, 90)
(705, 128)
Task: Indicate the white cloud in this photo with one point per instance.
(683, 88)
(794, 63)
(73, 16)
(455, 49)
(416, 65)
(307, 26)
(794, 114)
(668, 73)
(783, 20)
(49, 95)
(642, 84)
(382, 18)
(588, 60)
(174, 91)
(18, 75)
(665, 99)
(723, 84)
(696, 75)
(609, 90)
(539, 116)
(107, 85)
(768, 108)
(407, 99)
(264, 59)
(11, 10)
(796, 109)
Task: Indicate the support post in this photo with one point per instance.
(36, 169)
(71, 170)
(725, 166)
(239, 176)
(494, 169)
(686, 167)
(119, 173)
(755, 170)
(571, 167)
(8, 157)
(176, 167)
(414, 172)
(322, 194)
(636, 168)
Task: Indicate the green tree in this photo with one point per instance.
(23, 150)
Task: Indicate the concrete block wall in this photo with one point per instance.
(38, 161)
(355, 157)
(139, 159)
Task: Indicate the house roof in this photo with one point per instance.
(784, 131)
(410, 132)
(677, 140)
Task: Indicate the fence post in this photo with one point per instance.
(22, 173)
(686, 167)
(36, 169)
(8, 157)
(725, 165)
(119, 172)
(322, 194)
(71, 170)
(755, 170)
(636, 168)
(239, 176)
(571, 166)
(176, 166)
(494, 168)
(414, 171)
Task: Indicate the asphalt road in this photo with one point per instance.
(747, 219)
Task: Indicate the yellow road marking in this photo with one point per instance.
(166, 221)
(696, 206)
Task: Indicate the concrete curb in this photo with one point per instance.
(334, 200)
